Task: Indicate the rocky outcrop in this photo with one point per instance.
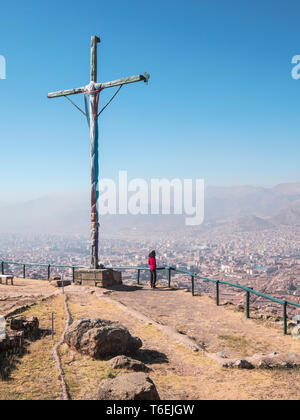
(99, 338)
(296, 319)
(274, 360)
(15, 330)
(296, 332)
(128, 386)
(12, 343)
(243, 364)
(60, 283)
(2, 328)
(29, 325)
(124, 362)
(263, 361)
(54, 278)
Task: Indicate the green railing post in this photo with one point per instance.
(248, 303)
(169, 277)
(193, 285)
(217, 292)
(24, 271)
(284, 318)
(49, 269)
(138, 276)
(73, 274)
(2, 267)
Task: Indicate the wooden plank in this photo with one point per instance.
(65, 92)
(126, 80)
(93, 69)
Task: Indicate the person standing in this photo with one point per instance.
(152, 264)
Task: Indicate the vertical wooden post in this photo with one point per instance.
(94, 41)
(169, 277)
(94, 156)
(49, 270)
(217, 293)
(73, 274)
(2, 267)
(24, 271)
(285, 317)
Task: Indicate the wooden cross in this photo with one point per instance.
(91, 92)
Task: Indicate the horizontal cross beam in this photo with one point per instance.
(119, 82)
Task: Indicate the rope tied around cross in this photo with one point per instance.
(97, 91)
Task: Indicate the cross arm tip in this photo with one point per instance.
(96, 38)
(146, 77)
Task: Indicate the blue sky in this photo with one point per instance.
(221, 103)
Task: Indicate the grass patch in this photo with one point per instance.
(83, 373)
(242, 346)
(110, 374)
(34, 375)
(235, 342)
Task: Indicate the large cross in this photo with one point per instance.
(91, 98)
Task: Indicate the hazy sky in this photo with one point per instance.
(221, 103)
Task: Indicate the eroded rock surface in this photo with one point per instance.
(265, 361)
(124, 362)
(100, 338)
(14, 330)
(296, 331)
(29, 325)
(128, 386)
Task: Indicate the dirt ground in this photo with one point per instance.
(23, 292)
(220, 328)
(178, 372)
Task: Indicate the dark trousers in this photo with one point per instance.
(153, 277)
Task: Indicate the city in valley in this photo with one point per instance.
(266, 260)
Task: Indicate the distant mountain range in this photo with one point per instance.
(245, 224)
(288, 216)
(246, 200)
(240, 208)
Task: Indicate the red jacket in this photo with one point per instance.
(152, 263)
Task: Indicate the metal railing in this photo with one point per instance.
(47, 266)
(169, 270)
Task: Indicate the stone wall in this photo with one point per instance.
(102, 277)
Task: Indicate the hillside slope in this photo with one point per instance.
(178, 372)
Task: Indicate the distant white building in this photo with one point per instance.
(226, 268)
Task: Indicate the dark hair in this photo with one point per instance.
(152, 254)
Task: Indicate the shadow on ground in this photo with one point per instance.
(10, 359)
(151, 356)
(134, 288)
